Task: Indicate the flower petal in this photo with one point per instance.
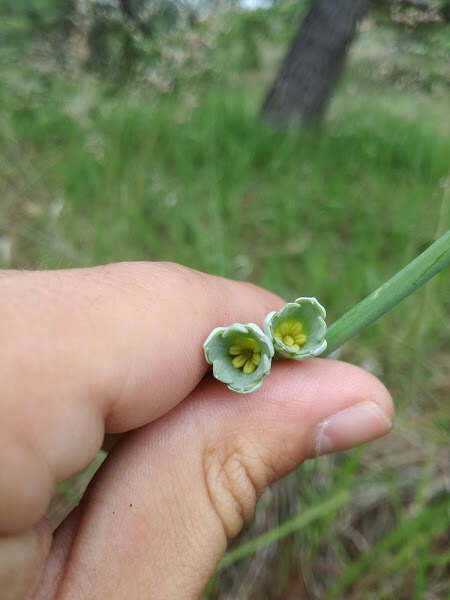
(242, 372)
(310, 315)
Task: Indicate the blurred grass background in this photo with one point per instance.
(175, 164)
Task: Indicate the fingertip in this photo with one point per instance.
(343, 405)
(380, 395)
(304, 408)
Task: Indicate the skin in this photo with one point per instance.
(118, 350)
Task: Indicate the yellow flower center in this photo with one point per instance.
(246, 354)
(292, 333)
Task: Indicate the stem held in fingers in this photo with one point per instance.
(428, 264)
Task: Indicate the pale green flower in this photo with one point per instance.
(298, 329)
(241, 356)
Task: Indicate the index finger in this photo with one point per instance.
(93, 350)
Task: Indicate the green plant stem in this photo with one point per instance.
(435, 258)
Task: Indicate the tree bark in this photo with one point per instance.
(311, 69)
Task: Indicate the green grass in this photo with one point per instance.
(87, 177)
(332, 215)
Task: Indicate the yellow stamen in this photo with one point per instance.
(291, 333)
(246, 354)
(297, 328)
(249, 367)
(239, 361)
(235, 349)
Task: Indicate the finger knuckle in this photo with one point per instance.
(236, 474)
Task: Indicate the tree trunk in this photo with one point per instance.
(310, 70)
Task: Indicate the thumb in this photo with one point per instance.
(157, 519)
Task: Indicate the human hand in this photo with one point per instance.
(118, 349)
